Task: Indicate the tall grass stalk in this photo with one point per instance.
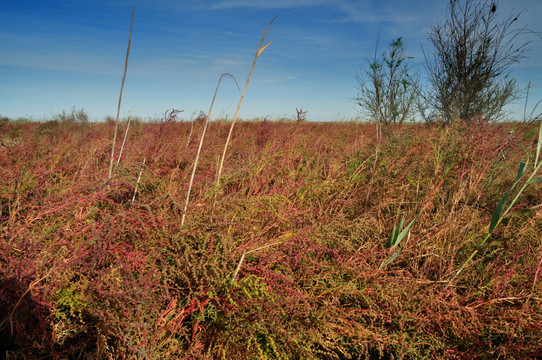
(206, 122)
(120, 99)
(191, 131)
(138, 179)
(260, 50)
(124, 139)
(498, 213)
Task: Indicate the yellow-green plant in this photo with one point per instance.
(71, 304)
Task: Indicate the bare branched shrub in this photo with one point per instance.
(300, 116)
(171, 116)
(474, 49)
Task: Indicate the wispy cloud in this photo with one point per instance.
(266, 4)
(44, 52)
(402, 13)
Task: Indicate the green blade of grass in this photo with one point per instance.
(539, 146)
(393, 257)
(497, 212)
(500, 206)
(396, 238)
(405, 231)
(535, 181)
(521, 171)
(391, 238)
(394, 234)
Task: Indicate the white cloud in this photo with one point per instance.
(266, 4)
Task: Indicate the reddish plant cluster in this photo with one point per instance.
(84, 270)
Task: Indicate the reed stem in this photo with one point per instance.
(120, 99)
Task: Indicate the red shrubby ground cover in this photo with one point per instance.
(86, 273)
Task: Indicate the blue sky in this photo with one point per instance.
(56, 55)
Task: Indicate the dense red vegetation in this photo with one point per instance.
(84, 273)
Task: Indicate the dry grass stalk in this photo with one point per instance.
(138, 179)
(193, 124)
(234, 276)
(124, 140)
(191, 131)
(260, 50)
(206, 122)
(120, 99)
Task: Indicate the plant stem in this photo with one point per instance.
(258, 53)
(120, 99)
(234, 276)
(124, 140)
(138, 179)
(207, 118)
